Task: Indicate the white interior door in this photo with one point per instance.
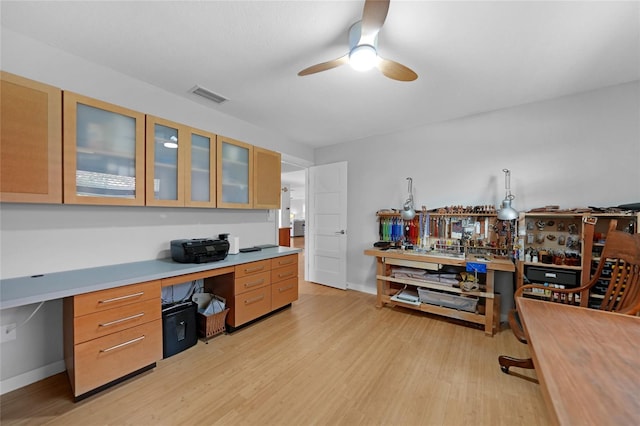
(326, 226)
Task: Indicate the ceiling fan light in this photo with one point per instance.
(363, 57)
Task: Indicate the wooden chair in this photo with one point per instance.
(619, 264)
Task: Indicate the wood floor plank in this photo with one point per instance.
(332, 359)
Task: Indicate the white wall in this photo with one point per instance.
(576, 151)
(39, 239)
(298, 208)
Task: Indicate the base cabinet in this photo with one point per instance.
(110, 334)
(284, 281)
(257, 288)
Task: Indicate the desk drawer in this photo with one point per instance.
(101, 323)
(284, 273)
(537, 274)
(252, 282)
(284, 292)
(251, 305)
(114, 297)
(252, 268)
(100, 361)
(279, 262)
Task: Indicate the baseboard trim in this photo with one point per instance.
(32, 376)
(361, 288)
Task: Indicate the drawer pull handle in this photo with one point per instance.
(281, 289)
(248, 270)
(137, 339)
(285, 262)
(288, 274)
(118, 321)
(254, 300)
(254, 283)
(117, 299)
(550, 275)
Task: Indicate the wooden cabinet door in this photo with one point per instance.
(30, 141)
(266, 179)
(234, 174)
(166, 144)
(103, 153)
(200, 169)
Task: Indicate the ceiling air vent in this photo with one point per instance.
(205, 93)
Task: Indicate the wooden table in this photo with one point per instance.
(587, 361)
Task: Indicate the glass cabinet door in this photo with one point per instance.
(166, 142)
(103, 153)
(235, 174)
(200, 185)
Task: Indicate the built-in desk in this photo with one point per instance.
(586, 360)
(388, 286)
(111, 314)
(23, 291)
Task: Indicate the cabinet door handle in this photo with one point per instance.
(248, 270)
(253, 283)
(116, 299)
(137, 339)
(287, 274)
(281, 289)
(118, 321)
(254, 300)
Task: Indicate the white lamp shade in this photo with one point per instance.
(507, 212)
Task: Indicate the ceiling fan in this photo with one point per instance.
(363, 43)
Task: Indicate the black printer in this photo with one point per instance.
(199, 250)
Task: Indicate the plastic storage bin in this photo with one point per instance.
(462, 303)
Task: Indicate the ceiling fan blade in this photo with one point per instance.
(325, 66)
(395, 70)
(373, 16)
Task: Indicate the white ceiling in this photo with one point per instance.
(471, 56)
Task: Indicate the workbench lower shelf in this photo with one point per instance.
(439, 310)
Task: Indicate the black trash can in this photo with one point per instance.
(178, 327)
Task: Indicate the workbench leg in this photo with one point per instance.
(488, 313)
(379, 283)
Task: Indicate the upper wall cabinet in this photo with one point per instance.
(166, 146)
(234, 174)
(103, 153)
(200, 178)
(181, 165)
(266, 179)
(30, 141)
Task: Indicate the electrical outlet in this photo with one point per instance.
(7, 333)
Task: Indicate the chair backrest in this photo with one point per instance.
(620, 265)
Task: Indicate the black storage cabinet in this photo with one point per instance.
(178, 328)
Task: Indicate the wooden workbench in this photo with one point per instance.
(407, 258)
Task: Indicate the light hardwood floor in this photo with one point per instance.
(333, 358)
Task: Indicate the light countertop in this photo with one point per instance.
(22, 291)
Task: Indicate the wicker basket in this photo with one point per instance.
(211, 325)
